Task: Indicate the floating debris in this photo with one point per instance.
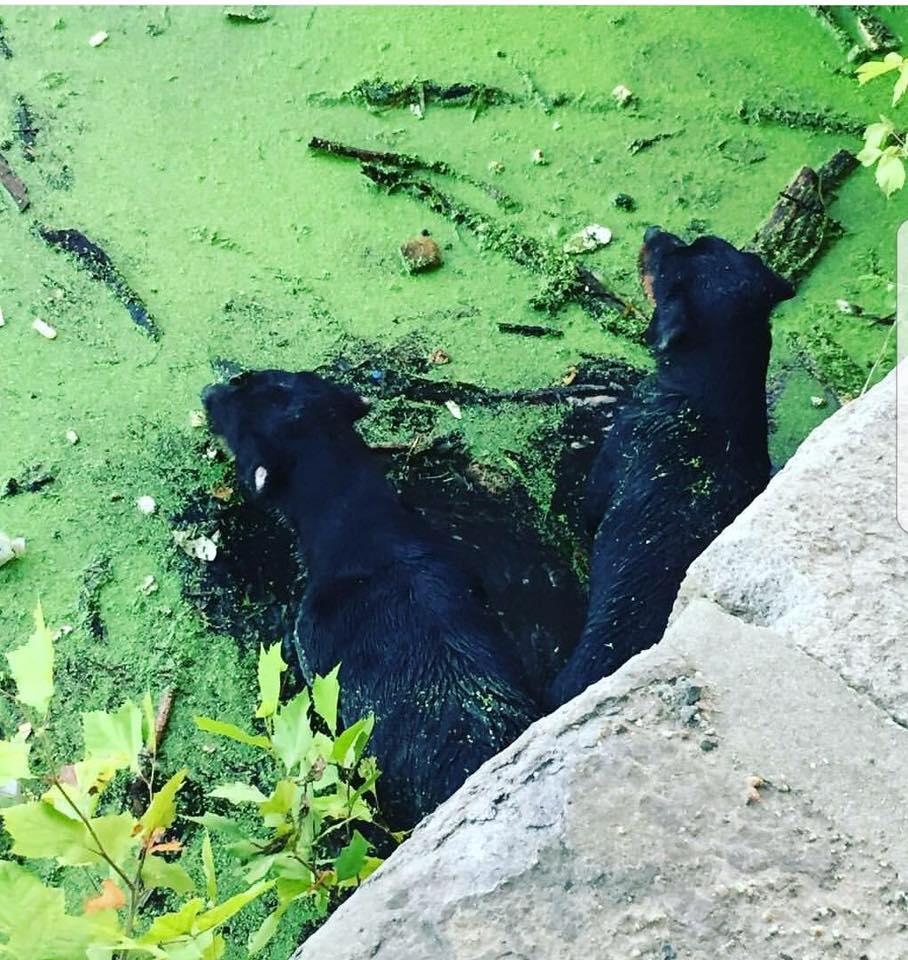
(843, 306)
(439, 357)
(147, 505)
(199, 548)
(624, 201)
(529, 330)
(13, 185)
(253, 14)
(454, 409)
(588, 239)
(96, 39)
(644, 143)
(222, 492)
(196, 419)
(99, 265)
(149, 585)
(496, 166)
(72, 437)
(622, 95)
(538, 157)
(818, 402)
(45, 329)
(421, 254)
(11, 548)
(26, 129)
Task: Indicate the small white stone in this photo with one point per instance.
(416, 110)
(590, 238)
(196, 418)
(96, 39)
(454, 409)
(148, 585)
(45, 329)
(496, 166)
(11, 548)
(818, 401)
(539, 158)
(622, 95)
(843, 306)
(261, 475)
(2, 319)
(146, 505)
(556, 125)
(72, 437)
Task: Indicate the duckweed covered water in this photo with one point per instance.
(180, 147)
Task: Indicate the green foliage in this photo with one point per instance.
(306, 844)
(883, 145)
(308, 850)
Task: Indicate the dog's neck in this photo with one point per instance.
(340, 504)
(729, 392)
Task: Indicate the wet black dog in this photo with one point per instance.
(689, 452)
(386, 596)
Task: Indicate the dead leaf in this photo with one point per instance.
(222, 492)
(172, 846)
(111, 897)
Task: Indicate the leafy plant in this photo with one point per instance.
(883, 145)
(59, 822)
(305, 843)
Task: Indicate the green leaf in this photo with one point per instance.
(14, 760)
(349, 746)
(224, 911)
(115, 735)
(211, 880)
(258, 868)
(35, 926)
(231, 731)
(218, 824)
(890, 171)
(266, 931)
(169, 926)
(39, 830)
(158, 873)
(325, 692)
(149, 724)
(239, 793)
(876, 68)
(876, 134)
(292, 734)
(32, 666)
(869, 156)
(901, 85)
(163, 809)
(271, 666)
(352, 858)
(116, 833)
(284, 798)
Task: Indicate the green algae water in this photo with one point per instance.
(179, 146)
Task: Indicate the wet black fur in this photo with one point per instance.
(386, 597)
(687, 454)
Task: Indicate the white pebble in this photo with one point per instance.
(72, 437)
(11, 548)
(45, 329)
(622, 95)
(539, 158)
(2, 320)
(146, 505)
(454, 409)
(196, 418)
(96, 39)
(843, 306)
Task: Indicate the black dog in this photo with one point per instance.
(689, 452)
(386, 597)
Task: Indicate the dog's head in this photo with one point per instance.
(265, 416)
(709, 296)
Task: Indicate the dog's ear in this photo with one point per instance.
(670, 324)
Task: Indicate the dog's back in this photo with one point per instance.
(687, 454)
(386, 596)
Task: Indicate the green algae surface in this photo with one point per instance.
(179, 145)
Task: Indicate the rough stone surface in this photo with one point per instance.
(738, 791)
(820, 558)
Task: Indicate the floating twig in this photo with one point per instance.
(798, 227)
(404, 161)
(13, 185)
(644, 143)
(529, 330)
(98, 264)
(824, 121)
(26, 128)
